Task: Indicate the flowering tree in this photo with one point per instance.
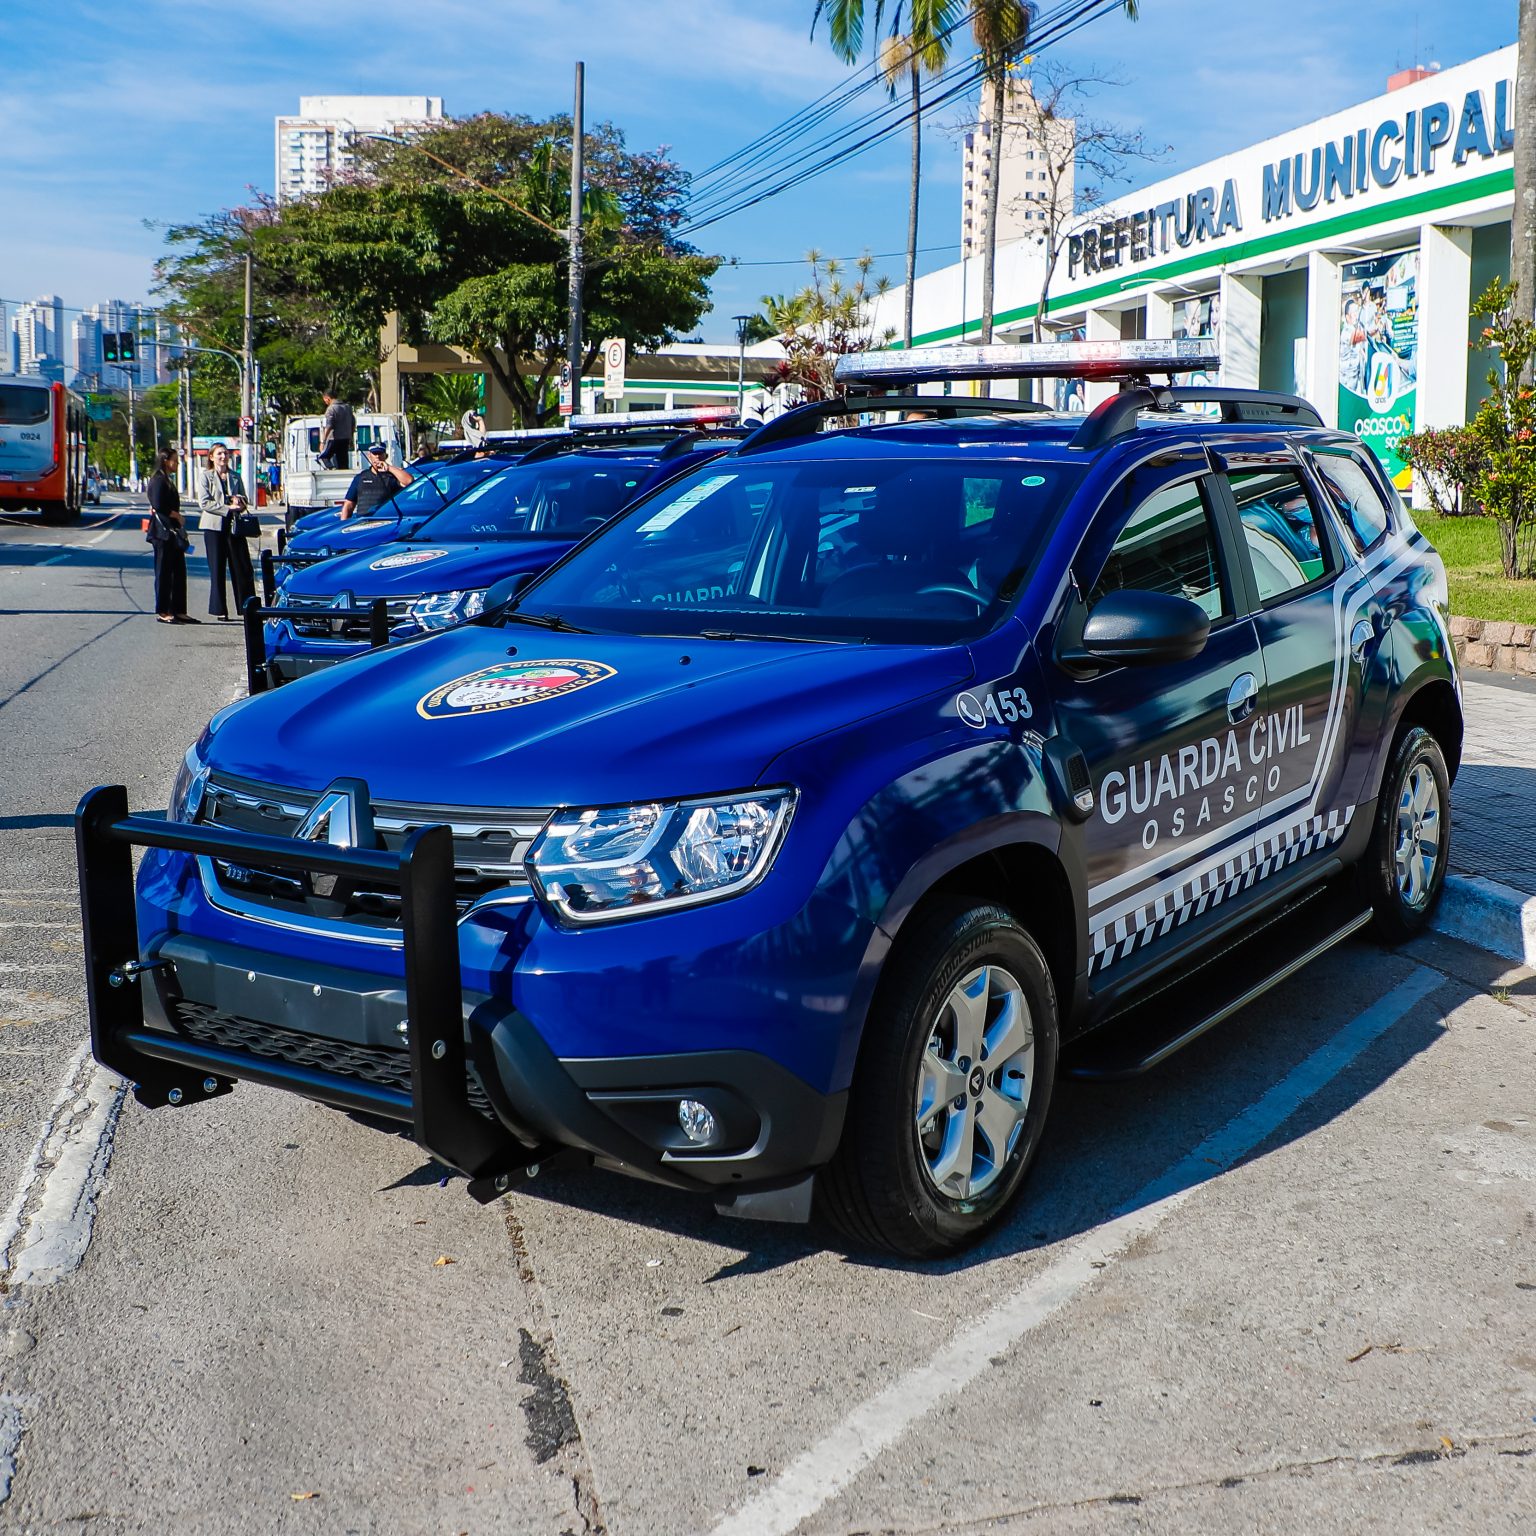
(1446, 459)
(1504, 429)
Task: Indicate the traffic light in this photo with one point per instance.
(125, 345)
(109, 341)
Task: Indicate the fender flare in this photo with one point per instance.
(1016, 829)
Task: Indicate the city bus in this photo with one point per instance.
(42, 448)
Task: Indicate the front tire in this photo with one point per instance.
(952, 1087)
(1404, 866)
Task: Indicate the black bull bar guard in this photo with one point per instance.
(170, 1069)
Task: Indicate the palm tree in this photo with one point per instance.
(918, 44)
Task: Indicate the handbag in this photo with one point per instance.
(247, 525)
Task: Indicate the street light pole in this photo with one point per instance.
(247, 405)
(573, 348)
(741, 358)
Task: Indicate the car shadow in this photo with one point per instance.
(1107, 1146)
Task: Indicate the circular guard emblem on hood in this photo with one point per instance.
(509, 684)
(406, 557)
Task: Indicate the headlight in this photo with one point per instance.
(439, 610)
(595, 865)
(187, 787)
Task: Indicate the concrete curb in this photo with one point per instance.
(1492, 916)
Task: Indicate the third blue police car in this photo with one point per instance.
(788, 836)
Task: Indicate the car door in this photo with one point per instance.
(1313, 614)
(1171, 832)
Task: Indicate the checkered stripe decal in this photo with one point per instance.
(1275, 851)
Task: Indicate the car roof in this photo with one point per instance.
(1036, 436)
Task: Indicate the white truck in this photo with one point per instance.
(308, 484)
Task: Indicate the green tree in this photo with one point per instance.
(440, 400)
(460, 232)
(918, 45)
(1503, 480)
(301, 343)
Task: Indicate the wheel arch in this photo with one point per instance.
(1017, 864)
(1436, 706)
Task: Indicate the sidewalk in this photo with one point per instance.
(1490, 892)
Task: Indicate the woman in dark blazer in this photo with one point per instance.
(167, 534)
(221, 500)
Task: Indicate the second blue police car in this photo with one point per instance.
(512, 523)
(780, 840)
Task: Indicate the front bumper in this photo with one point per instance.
(480, 1086)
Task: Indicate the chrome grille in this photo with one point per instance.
(490, 851)
(322, 627)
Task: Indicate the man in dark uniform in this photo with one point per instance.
(375, 484)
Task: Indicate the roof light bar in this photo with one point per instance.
(692, 416)
(1029, 360)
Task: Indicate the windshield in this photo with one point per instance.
(22, 405)
(434, 488)
(890, 550)
(563, 496)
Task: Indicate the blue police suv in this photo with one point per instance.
(786, 838)
(514, 522)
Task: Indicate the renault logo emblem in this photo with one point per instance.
(342, 817)
(332, 819)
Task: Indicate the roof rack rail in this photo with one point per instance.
(1118, 415)
(803, 420)
(630, 421)
(1135, 360)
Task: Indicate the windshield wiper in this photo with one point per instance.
(546, 621)
(732, 634)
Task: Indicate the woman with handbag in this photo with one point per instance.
(225, 522)
(167, 533)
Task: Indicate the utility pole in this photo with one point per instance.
(1522, 224)
(133, 446)
(247, 405)
(573, 350)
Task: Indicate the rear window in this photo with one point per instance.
(1360, 501)
(22, 406)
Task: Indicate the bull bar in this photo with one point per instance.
(170, 1069)
(258, 675)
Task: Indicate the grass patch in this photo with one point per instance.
(1470, 548)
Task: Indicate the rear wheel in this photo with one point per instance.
(952, 1087)
(1404, 866)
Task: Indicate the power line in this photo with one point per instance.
(799, 261)
(842, 146)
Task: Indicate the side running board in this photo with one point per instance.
(1183, 1009)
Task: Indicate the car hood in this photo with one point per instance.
(517, 716)
(404, 569)
(356, 533)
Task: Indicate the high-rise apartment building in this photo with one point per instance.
(315, 148)
(39, 338)
(1024, 155)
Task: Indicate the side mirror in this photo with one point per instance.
(1134, 628)
(500, 593)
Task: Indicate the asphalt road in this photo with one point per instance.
(1287, 1283)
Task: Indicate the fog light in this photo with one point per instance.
(697, 1121)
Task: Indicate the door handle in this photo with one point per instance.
(1242, 697)
(1360, 637)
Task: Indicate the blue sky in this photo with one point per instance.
(112, 114)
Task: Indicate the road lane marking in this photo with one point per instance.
(829, 1466)
(45, 1233)
(10, 1443)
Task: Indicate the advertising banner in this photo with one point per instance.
(1378, 354)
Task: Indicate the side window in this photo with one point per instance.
(1280, 526)
(1359, 499)
(1169, 545)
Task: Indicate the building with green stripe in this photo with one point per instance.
(1338, 260)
